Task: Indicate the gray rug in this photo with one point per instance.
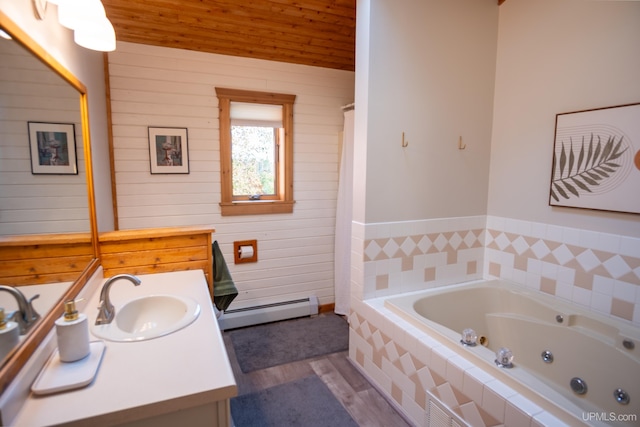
(272, 344)
(303, 403)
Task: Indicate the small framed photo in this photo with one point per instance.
(53, 148)
(168, 150)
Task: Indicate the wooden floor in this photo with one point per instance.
(365, 404)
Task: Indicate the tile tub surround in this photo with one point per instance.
(412, 255)
(406, 364)
(598, 271)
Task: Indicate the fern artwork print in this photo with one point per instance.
(596, 159)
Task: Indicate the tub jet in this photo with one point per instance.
(578, 385)
(622, 397)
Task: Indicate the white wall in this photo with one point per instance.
(428, 70)
(152, 86)
(555, 57)
(425, 68)
(87, 66)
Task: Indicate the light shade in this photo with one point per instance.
(98, 35)
(75, 13)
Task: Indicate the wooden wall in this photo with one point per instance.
(157, 250)
(44, 258)
(48, 258)
(154, 86)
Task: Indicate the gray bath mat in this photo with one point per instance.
(307, 402)
(272, 344)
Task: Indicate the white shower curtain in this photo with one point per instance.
(344, 211)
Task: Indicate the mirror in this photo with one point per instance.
(43, 187)
(46, 188)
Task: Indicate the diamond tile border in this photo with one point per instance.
(598, 271)
(413, 370)
(399, 247)
(418, 261)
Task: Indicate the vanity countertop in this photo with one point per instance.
(137, 380)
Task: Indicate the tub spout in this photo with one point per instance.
(26, 316)
(106, 310)
(504, 358)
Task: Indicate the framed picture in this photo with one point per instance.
(168, 150)
(596, 159)
(53, 148)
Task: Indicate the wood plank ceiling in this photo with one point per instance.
(311, 32)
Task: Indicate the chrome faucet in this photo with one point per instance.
(26, 316)
(106, 310)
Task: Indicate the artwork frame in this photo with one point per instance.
(52, 148)
(596, 159)
(168, 150)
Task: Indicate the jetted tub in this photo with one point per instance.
(556, 345)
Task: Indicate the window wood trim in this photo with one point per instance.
(284, 201)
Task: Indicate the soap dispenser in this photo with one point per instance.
(9, 335)
(72, 331)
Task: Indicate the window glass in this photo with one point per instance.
(253, 160)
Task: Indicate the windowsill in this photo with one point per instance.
(256, 207)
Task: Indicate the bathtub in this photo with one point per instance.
(552, 343)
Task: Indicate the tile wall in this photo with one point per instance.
(595, 270)
(408, 365)
(598, 271)
(412, 255)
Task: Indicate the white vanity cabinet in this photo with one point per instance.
(184, 378)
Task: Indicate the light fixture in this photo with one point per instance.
(4, 35)
(75, 13)
(88, 20)
(97, 35)
(40, 8)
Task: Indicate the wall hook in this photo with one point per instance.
(461, 146)
(404, 143)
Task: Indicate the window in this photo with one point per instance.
(256, 152)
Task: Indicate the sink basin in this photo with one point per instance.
(149, 317)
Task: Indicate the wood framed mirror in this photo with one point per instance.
(62, 261)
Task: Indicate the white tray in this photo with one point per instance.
(57, 376)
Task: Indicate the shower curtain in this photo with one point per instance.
(342, 260)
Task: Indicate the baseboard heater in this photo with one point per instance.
(255, 315)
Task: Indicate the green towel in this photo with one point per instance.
(224, 291)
